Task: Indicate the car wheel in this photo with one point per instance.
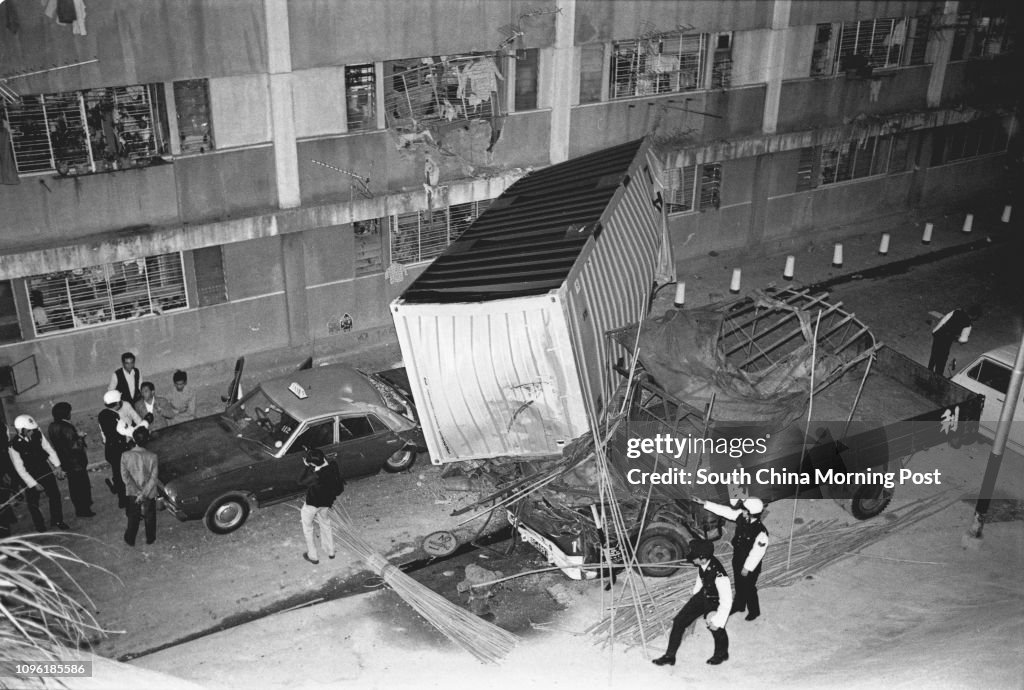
(661, 542)
(400, 461)
(867, 501)
(227, 513)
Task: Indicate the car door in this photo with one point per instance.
(279, 477)
(992, 379)
(363, 445)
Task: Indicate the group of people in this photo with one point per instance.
(712, 593)
(132, 413)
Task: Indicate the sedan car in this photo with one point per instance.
(217, 467)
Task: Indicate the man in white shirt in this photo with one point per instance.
(126, 380)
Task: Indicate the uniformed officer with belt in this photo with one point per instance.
(749, 544)
(712, 598)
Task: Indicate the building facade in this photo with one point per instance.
(197, 180)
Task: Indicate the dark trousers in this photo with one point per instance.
(138, 512)
(80, 490)
(49, 484)
(746, 588)
(939, 355)
(695, 608)
(113, 456)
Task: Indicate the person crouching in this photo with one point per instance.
(712, 599)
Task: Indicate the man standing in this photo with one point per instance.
(324, 485)
(69, 444)
(139, 470)
(126, 380)
(954, 325)
(182, 399)
(113, 442)
(152, 408)
(749, 544)
(712, 598)
(38, 466)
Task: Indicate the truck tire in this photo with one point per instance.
(661, 542)
(867, 501)
(227, 513)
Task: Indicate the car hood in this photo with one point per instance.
(203, 448)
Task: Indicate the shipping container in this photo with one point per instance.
(503, 335)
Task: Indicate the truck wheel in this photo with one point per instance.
(400, 461)
(227, 513)
(867, 501)
(661, 542)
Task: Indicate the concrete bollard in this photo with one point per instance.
(968, 223)
(680, 295)
(837, 256)
(926, 238)
(883, 246)
(734, 286)
(787, 272)
(1007, 210)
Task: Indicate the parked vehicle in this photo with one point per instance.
(217, 467)
(989, 375)
(739, 371)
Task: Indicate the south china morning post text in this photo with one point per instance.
(677, 447)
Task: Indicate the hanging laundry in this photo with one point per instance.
(483, 76)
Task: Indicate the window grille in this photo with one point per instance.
(710, 186)
(856, 159)
(107, 293)
(361, 96)
(989, 36)
(805, 170)
(664, 63)
(721, 67)
(87, 131)
(880, 41)
(922, 27)
(423, 90)
(680, 188)
(192, 104)
(821, 54)
(369, 250)
(423, 235)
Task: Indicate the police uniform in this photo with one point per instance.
(712, 598)
(749, 544)
(35, 462)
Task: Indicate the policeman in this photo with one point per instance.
(37, 464)
(114, 443)
(712, 598)
(749, 543)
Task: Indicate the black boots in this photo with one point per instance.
(664, 660)
(721, 647)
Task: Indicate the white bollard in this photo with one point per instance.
(787, 272)
(926, 238)
(837, 256)
(968, 223)
(1007, 210)
(883, 246)
(680, 294)
(734, 286)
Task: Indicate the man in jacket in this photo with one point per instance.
(324, 484)
(712, 598)
(127, 380)
(69, 444)
(153, 408)
(139, 473)
(39, 467)
(749, 544)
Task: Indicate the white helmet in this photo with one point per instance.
(24, 422)
(111, 397)
(754, 506)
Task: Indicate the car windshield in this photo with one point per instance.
(260, 419)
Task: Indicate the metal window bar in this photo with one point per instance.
(122, 124)
(423, 235)
(721, 68)
(361, 96)
(192, 105)
(47, 132)
(805, 169)
(879, 40)
(664, 63)
(369, 257)
(680, 188)
(454, 89)
(710, 186)
(821, 53)
(107, 293)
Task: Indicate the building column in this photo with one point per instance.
(776, 64)
(562, 81)
(940, 47)
(293, 264)
(279, 66)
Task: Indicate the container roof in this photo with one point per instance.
(527, 241)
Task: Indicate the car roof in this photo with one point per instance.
(330, 389)
(1004, 355)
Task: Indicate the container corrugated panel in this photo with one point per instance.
(492, 379)
(611, 284)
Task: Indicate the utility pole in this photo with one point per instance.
(995, 458)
